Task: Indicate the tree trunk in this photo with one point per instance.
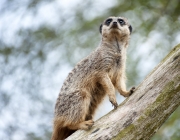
(143, 113)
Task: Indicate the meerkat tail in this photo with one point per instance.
(61, 133)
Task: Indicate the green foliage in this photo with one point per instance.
(40, 41)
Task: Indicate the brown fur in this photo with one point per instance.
(97, 75)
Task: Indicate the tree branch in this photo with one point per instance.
(143, 113)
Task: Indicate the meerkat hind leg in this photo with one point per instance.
(83, 125)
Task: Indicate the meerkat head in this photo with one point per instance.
(117, 26)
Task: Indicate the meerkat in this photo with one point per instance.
(99, 74)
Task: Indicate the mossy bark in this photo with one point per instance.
(143, 113)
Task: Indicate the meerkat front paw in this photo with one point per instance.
(131, 91)
(113, 102)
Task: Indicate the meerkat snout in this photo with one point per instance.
(114, 25)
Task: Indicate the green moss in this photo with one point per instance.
(124, 132)
(161, 104)
(166, 94)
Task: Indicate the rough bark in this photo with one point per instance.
(143, 113)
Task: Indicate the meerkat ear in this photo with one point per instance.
(130, 29)
(100, 29)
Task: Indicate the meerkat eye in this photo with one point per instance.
(108, 21)
(121, 21)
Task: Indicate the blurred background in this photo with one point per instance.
(41, 41)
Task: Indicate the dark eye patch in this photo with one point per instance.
(121, 21)
(130, 29)
(108, 21)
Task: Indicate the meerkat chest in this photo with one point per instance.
(116, 66)
(117, 60)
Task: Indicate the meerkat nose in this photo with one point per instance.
(115, 23)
